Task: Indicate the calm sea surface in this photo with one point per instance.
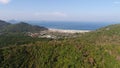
(71, 25)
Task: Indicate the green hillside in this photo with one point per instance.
(3, 24)
(23, 27)
(97, 49)
(105, 35)
(16, 39)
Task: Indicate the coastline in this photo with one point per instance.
(67, 31)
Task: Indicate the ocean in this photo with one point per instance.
(71, 25)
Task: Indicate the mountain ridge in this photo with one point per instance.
(20, 27)
(3, 24)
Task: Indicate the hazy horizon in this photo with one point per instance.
(61, 10)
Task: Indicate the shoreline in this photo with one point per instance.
(67, 31)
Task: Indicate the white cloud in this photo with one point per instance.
(116, 2)
(60, 14)
(4, 1)
(51, 14)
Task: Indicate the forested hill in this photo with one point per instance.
(23, 27)
(20, 27)
(3, 24)
(96, 49)
(106, 35)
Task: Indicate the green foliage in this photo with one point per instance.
(23, 27)
(97, 49)
(41, 55)
(16, 39)
(3, 24)
(58, 54)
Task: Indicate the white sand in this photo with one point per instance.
(68, 31)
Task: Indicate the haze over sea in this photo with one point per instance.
(71, 25)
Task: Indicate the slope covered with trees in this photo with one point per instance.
(3, 24)
(97, 49)
(23, 27)
(6, 27)
(15, 39)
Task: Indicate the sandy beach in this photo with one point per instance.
(68, 31)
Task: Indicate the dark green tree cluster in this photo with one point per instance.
(10, 39)
(23, 27)
(3, 24)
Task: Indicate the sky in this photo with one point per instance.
(61, 10)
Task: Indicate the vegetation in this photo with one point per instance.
(97, 49)
(3, 24)
(59, 54)
(16, 39)
(23, 27)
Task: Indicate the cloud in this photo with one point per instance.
(4, 1)
(60, 14)
(51, 14)
(116, 2)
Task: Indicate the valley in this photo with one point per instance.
(44, 49)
